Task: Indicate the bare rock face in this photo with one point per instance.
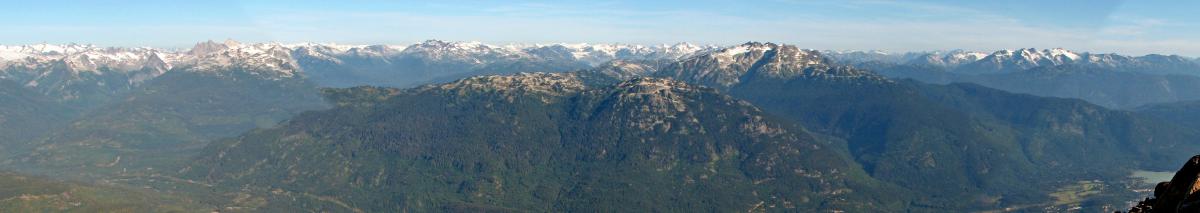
(1177, 195)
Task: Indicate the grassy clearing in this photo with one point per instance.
(1077, 193)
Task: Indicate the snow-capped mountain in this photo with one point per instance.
(948, 59)
(269, 60)
(857, 56)
(596, 54)
(440, 61)
(1023, 59)
(935, 58)
(84, 58)
(1111, 80)
(727, 67)
(75, 71)
(81, 73)
(461, 52)
(29, 63)
(974, 62)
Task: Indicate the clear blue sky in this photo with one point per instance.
(1131, 27)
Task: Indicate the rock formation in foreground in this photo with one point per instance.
(1178, 195)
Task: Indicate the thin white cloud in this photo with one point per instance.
(934, 27)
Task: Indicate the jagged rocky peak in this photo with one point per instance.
(207, 47)
(554, 84)
(1181, 194)
(269, 60)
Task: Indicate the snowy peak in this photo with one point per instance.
(1035, 57)
(1028, 58)
(730, 66)
(232, 43)
(683, 49)
(591, 54)
(596, 54)
(469, 52)
(972, 62)
(774, 56)
(961, 57)
(752, 52)
(270, 60)
(336, 53)
(80, 57)
(48, 65)
(947, 59)
(745, 49)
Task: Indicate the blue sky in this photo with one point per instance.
(1130, 27)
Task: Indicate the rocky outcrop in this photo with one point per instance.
(1178, 195)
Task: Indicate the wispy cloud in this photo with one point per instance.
(856, 24)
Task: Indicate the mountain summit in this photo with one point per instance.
(727, 67)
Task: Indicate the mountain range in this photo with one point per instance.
(465, 126)
(974, 62)
(1110, 80)
(65, 71)
(86, 75)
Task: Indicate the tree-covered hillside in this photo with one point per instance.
(545, 142)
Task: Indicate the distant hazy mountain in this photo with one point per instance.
(596, 54)
(1110, 80)
(87, 75)
(25, 114)
(1003, 61)
(438, 61)
(80, 75)
(219, 94)
(1185, 113)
